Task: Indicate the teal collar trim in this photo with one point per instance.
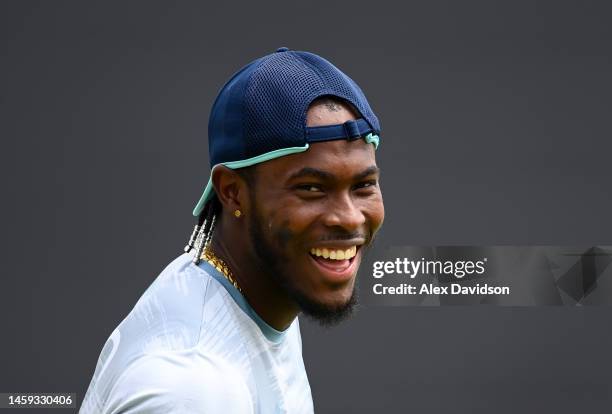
(269, 332)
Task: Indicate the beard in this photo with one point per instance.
(326, 315)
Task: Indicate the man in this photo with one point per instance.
(292, 202)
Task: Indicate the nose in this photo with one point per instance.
(343, 212)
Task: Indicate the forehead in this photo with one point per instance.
(341, 158)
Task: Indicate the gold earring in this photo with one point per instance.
(237, 213)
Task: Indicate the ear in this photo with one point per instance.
(231, 189)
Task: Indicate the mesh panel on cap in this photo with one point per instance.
(343, 86)
(275, 100)
(278, 95)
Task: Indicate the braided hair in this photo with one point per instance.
(202, 232)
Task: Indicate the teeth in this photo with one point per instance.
(334, 254)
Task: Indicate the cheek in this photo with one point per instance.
(284, 235)
(375, 211)
(295, 213)
(289, 223)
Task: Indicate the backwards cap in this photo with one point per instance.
(260, 113)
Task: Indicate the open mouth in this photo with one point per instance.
(337, 263)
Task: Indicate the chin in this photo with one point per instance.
(337, 297)
(329, 308)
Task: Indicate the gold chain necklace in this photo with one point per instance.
(221, 266)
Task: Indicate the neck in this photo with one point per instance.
(260, 290)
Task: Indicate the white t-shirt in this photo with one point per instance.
(192, 344)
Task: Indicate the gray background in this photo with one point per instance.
(496, 130)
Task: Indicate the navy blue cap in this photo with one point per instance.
(260, 113)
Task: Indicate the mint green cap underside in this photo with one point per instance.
(370, 139)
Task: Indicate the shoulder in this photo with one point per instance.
(179, 382)
(167, 319)
(169, 313)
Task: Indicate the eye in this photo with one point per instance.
(365, 185)
(310, 188)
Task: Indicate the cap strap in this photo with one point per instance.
(350, 130)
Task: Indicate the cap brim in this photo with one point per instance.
(209, 190)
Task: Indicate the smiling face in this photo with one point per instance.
(313, 214)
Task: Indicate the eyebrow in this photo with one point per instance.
(324, 175)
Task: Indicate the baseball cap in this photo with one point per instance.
(260, 113)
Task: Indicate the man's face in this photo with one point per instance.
(312, 215)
